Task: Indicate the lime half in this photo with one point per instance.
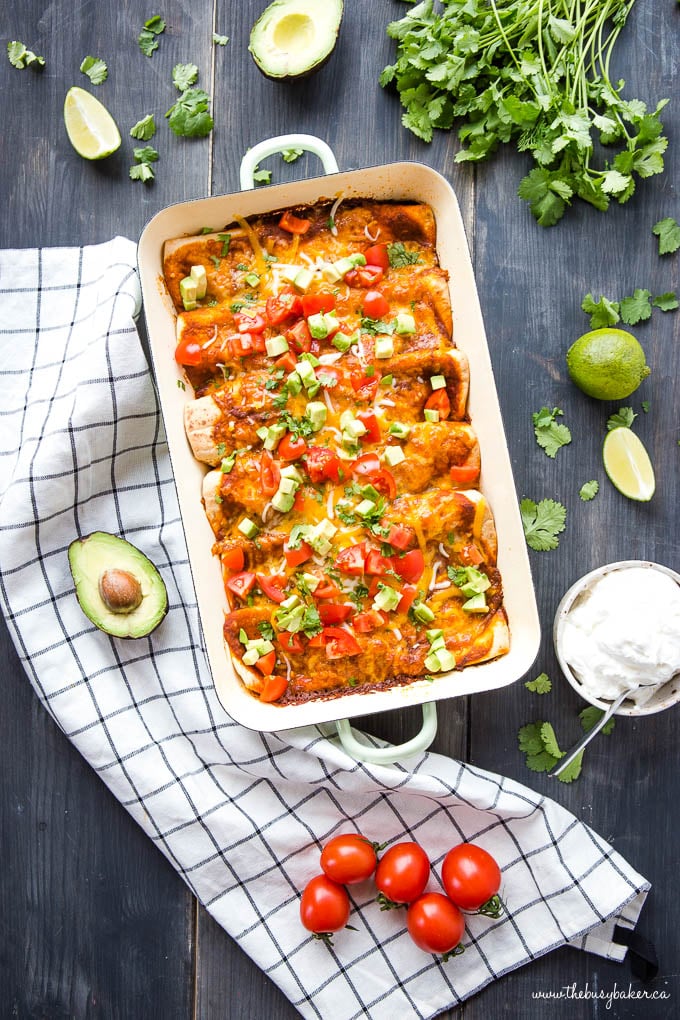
(628, 465)
(91, 129)
(608, 364)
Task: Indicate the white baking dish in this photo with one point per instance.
(398, 181)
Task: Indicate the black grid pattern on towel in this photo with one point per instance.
(240, 814)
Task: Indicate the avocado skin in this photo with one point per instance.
(331, 10)
(89, 557)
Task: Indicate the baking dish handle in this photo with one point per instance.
(394, 752)
(310, 143)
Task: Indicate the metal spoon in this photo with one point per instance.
(577, 748)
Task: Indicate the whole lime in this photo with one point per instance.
(607, 364)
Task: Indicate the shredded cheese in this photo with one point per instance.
(211, 341)
(331, 216)
(260, 261)
(370, 236)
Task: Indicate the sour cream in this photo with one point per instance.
(623, 633)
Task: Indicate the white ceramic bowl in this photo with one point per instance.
(668, 694)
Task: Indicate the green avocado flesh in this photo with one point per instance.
(118, 588)
(293, 38)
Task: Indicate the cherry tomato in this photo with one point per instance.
(274, 688)
(369, 420)
(271, 587)
(270, 474)
(324, 907)
(439, 401)
(291, 447)
(384, 482)
(463, 474)
(291, 643)
(294, 224)
(334, 612)
(351, 560)
(401, 536)
(375, 305)
(378, 255)
(366, 464)
(188, 352)
(402, 874)
(410, 566)
(246, 323)
(322, 463)
(471, 878)
(364, 276)
(233, 559)
(348, 859)
(371, 619)
(241, 583)
(266, 663)
(339, 643)
(294, 557)
(312, 304)
(435, 924)
(376, 564)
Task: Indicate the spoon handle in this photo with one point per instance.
(577, 748)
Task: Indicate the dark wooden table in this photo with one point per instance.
(94, 922)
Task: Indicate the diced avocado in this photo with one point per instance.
(290, 619)
(288, 485)
(294, 384)
(294, 38)
(476, 604)
(331, 271)
(324, 528)
(351, 425)
(394, 455)
(423, 613)
(306, 372)
(255, 649)
(275, 434)
(317, 326)
(387, 380)
(199, 275)
(432, 663)
(303, 279)
(342, 342)
(404, 323)
(283, 501)
(399, 430)
(384, 347)
(357, 259)
(317, 413)
(118, 587)
(438, 643)
(312, 581)
(276, 345)
(438, 382)
(433, 634)
(290, 471)
(431, 415)
(248, 527)
(365, 507)
(290, 273)
(291, 602)
(447, 659)
(386, 598)
(188, 290)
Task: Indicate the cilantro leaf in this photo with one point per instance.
(144, 129)
(262, 176)
(541, 762)
(220, 40)
(667, 302)
(311, 621)
(550, 435)
(146, 155)
(636, 308)
(550, 740)
(644, 404)
(399, 255)
(589, 490)
(668, 232)
(602, 313)
(266, 630)
(573, 770)
(542, 523)
(530, 740)
(290, 155)
(184, 75)
(590, 715)
(546, 194)
(95, 69)
(148, 43)
(541, 685)
(141, 172)
(624, 417)
(20, 57)
(189, 116)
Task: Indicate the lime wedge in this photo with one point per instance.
(628, 465)
(91, 129)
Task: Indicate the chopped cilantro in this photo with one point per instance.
(374, 326)
(668, 232)
(184, 75)
(220, 40)
(550, 435)
(290, 155)
(262, 176)
(266, 630)
(226, 241)
(542, 523)
(144, 129)
(624, 418)
(298, 426)
(541, 685)
(358, 594)
(147, 40)
(216, 262)
(311, 621)
(399, 255)
(189, 116)
(353, 681)
(645, 406)
(589, 490)
(20, 57)
(95, 69)
(144, 157)
(180, 384)
(602, 313)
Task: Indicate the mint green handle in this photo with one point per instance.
(310, 143)
(395, 752)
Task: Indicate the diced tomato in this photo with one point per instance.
(291, 643)
(246, 323)
(233, 559)
(287, 362)
(376, 564)
(270, 474)
(240, 345)
(370, 420)
(266, 663)
(384, 482)
(378, 255)
(463, 474)
(375, 305)
(284, 306)
(339, 643)
(322, 463)
(274, 688)
(329, 372)
(294, 557)
(317, 641)
(259, 343)
(401, 536)
(408, 594)
(327, 590)
(294, 224)
(334, 612)
(364, 276)
(439, 401)
(188, 352)
(291, 447)
(471, 555)
(312, 304)
(369, 620)
(299, 337)
(364, 385)
(373, 586)
(366, 464)
(299, 501)
(410, 566)
(352, 559)
(241, 583)
(271, 586)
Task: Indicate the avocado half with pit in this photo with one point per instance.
(118, 587)
(294, 38)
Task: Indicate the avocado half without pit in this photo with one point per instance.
(118, 587)
(294, 38)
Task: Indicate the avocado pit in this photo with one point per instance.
(120, 590)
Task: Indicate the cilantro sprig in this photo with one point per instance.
(95, 69)
(550, 434)
(189, 117)
(542, 523)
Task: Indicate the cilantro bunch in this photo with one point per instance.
(536, 73)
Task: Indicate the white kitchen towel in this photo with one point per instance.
(240, 814)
